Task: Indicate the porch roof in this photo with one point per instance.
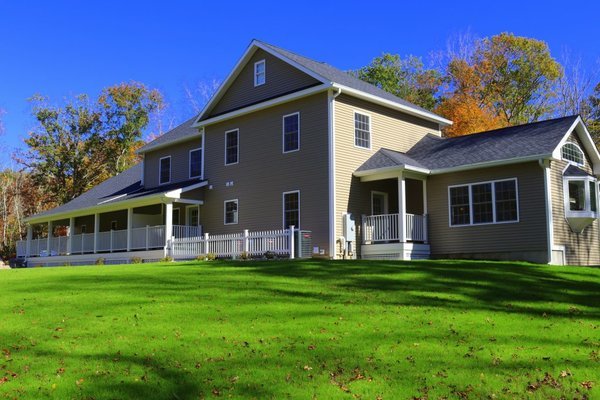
(511, 144)
(123, 189)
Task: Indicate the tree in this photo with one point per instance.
(78, 145)
(126, 109)
(406, 78)
(593, 118)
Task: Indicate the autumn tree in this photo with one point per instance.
(78, 145)
(593, 116)
(406, 78)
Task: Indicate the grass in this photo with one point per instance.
(304, 329)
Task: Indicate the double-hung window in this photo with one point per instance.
(291, 132)
(484, 203)
(231, 212)
(195, 163)
(232, 147)
(260, 73)
(362, 130)
(291, 209)
(164, 174)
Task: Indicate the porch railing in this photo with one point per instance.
(386, 228)
(144, 238)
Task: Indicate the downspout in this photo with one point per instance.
(545, 165)
(331, 155)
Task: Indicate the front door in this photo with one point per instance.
(379, 203)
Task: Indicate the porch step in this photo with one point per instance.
(395, 251)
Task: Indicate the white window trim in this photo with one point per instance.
(283, 133)
(238, 146)
(385, 201)
(188, 214)
(571, 161)
(370, 129)
(160, 170)
(470, 185)
(256, 64)
(237, 219)
(190, 162)
(283, 208)
(587, 213)
(176, 211)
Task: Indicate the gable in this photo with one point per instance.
(281, 79)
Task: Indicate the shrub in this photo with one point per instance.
(201, 257)
(100, 261)
(67, 264)
(269, 255)
(211, 256)
(166, 259)
(135, 260)
(244, 255)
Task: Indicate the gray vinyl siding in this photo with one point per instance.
(389, 129)
(524, 240)
(581, 248)
(281, 78)
(264, 172)
(180, 162)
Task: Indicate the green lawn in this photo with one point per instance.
(304, 329)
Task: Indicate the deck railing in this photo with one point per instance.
(387, 228)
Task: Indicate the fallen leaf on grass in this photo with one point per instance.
(78, 382)
(306, 368)
(587, 384)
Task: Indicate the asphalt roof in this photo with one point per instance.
(572, 170)
(343, 78)
(180, 132)
(433, 152)
(124, 186)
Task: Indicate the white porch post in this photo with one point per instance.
(70, 235)
(96, 230)
(129, 226)
(29, 237)
(401, 209)
(49, 236)
(168, 222)
(425, 218)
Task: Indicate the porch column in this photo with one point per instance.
(129, 226)
(29, 238)
(168, 222)
(401, 209)
(49, 236)
(96, 230)
(70, 235)
(426, 218)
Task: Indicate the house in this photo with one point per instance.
(289, 141)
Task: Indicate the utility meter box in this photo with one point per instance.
(349, 227)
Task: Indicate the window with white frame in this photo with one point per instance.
(232, 148)
(291, 132)
(581, 195)
(231, 212)
(362, 130)
(195, 163)
(165, 170)
(291, 209)
(260, 73)
(572, 152)
(484, 203)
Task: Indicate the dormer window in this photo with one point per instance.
(572, 153)
(260, 73)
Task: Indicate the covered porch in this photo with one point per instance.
(140, 227)
(396, 227)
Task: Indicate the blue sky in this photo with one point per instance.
(63, 48)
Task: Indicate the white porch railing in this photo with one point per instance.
(386, 228)
(280, 242)
(145, 238)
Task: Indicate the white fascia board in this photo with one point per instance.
(391, 104)
(384, 172)
(175, 194)
(263, 105)
(488, 164)
(587, 141)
